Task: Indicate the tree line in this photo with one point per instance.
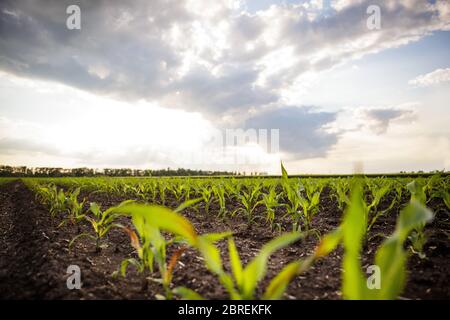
(23, 171)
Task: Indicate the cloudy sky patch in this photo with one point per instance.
(143, 80)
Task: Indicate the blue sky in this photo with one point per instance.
(382, 78)
(257, 5)
(156, 84)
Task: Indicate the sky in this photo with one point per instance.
(323, 86)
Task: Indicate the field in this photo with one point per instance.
(226, 238)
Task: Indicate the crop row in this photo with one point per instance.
(297, 199)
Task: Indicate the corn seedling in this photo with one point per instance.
(247, 278)
(53, 198)
(270, 201)
(177, 190)
(242, 284)
(101, 222)
(390, 257)
(149, 221)
(309, 203)
(446, 199)
(341, 188)
(249, 201)
(206, 194)
(162, 192)
(219, 192)
(310, 206)
(293, 206)
(378, 190)
(74, 208)
(418, 190)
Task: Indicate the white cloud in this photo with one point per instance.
(207, 57)
(432, 78)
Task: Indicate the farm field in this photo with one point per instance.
(225, 238)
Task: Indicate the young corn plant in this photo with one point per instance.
(206, 194)
(292, 193)
(378, 189)
(398, 189)
(162, 192)
(101, 222)
(312, 187)
(219, 193)
(446, 199)
(153, 190)
(271, 202)
(308, 203)
(418, 238)
(141, 191)
(293, 206)
(232, 188)
(75, 208)
(342, 189)
(310, 207)
(439, 187)
(150, 246)
(177, 190)
(187, 190)
(435, 186)
(249, 201)
(390, 257)
(149, 221)
(244, 280)
(53, 198)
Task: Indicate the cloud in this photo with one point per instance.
(379, 119)
(197, 55)
(210, 57)
(98, 157)
(10, 145)
(432, 78)
(302, 130)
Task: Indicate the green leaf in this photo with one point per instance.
(413, 216)
(187, 204)
(211, 254)
(284, 173)
(162, 218)
(126, 262)
(95, 209)
(235, 261)
(417, 190)
(391, 257)
(278, 285)
(187, 294)
(354, 228)
(328, 243)
(216, 236)
(79, 236)
(256, 269)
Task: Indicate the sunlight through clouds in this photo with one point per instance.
(109, 94)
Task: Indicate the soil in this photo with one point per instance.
(34, 254)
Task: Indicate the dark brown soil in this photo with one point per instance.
(34, 254)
